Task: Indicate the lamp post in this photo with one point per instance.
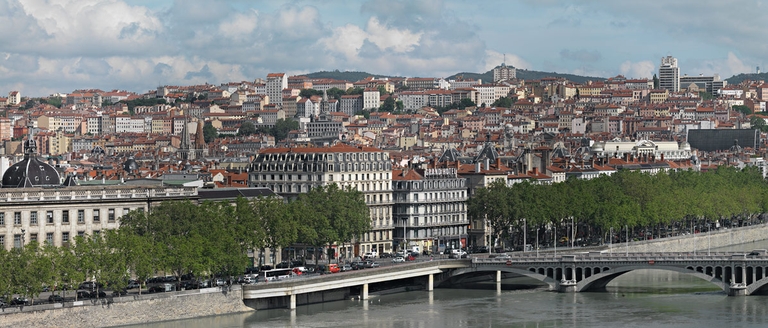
(573, 233)
(537, 242)
(525, 240)
(610, 241)
(626, 237)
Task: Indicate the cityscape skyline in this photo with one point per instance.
(53, 46)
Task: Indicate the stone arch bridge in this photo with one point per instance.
(734, 273)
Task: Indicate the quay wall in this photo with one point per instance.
(701, 242)
(134, 309)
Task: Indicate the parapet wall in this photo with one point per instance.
(133, 309)
(702, 241)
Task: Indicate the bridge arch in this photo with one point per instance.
(600, 280)
(522, 272)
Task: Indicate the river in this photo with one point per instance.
(644, 298)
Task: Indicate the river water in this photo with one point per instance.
(643, 298)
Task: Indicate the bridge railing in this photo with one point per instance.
(617, 257)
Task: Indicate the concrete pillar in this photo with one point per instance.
(744, 274)
(430, 282)
(498, 276)
(364, 293)
(292, 303)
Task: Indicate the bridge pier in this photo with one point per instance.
(292, 302)
(498, 275)
(364, 292)
(430, 283)
(566, 286)
(737, 289)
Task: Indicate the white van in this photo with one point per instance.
(371, 255)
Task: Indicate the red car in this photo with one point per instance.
(333, 268)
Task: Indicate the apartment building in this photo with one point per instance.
(669, 74)
(430, 210)
(276, 82)
(291, 171)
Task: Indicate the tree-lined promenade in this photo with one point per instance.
(646, 205)
(181, 237)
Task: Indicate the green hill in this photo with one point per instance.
(486, 77)
(736, 79)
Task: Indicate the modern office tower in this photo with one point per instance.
(669, 74)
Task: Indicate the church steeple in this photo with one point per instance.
(185, 148)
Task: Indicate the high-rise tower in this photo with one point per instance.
(669, 74)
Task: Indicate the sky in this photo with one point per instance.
(57, 46)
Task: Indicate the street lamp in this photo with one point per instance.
(525, 240)
(537, 242)
(610, 241)
(626, 237)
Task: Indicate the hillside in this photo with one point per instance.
(486, 77)
(736, 79)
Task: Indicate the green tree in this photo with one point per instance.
(758, 122)
(355, 91)
(54, 101)
(655, 81)
(382, 90)
(742, 109)
(388, 105)
(246, 128)
(209, 132)
(306, 93)
(282, 127)
(466, 102)
(502, 102)
(335, 93)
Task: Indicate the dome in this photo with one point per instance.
(130, 165)
(685, 146)
(31, 172)
(598, 147)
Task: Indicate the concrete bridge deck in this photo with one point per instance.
(736, 273)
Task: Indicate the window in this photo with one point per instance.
(80, 216)
(49, 238)
(64, 237)
(16, 241)
(96, 217)
(16, 218)
(2, 219)
(65, 217)
(126, 210)
(111, 215)
(33, 237)
(96, 233)
(33, 218)
(2, 241)
(49, 217)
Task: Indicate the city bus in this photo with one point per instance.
(276, 274)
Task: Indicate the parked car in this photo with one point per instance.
(83, 295)
(333, 268)
(21, 300)
(133, 284)
(371, 264)
(98, 294)
(358, 265)
(89, 285)
(55, 299)
(346, 267)
(249, 279)
(398, 259)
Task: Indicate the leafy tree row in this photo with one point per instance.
(638, 201)
(181, 237)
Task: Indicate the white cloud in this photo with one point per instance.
(386, 38)
(638, 70)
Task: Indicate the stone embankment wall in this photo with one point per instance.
(702, 241)
(132, 309)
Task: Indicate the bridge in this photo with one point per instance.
(737, 274)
